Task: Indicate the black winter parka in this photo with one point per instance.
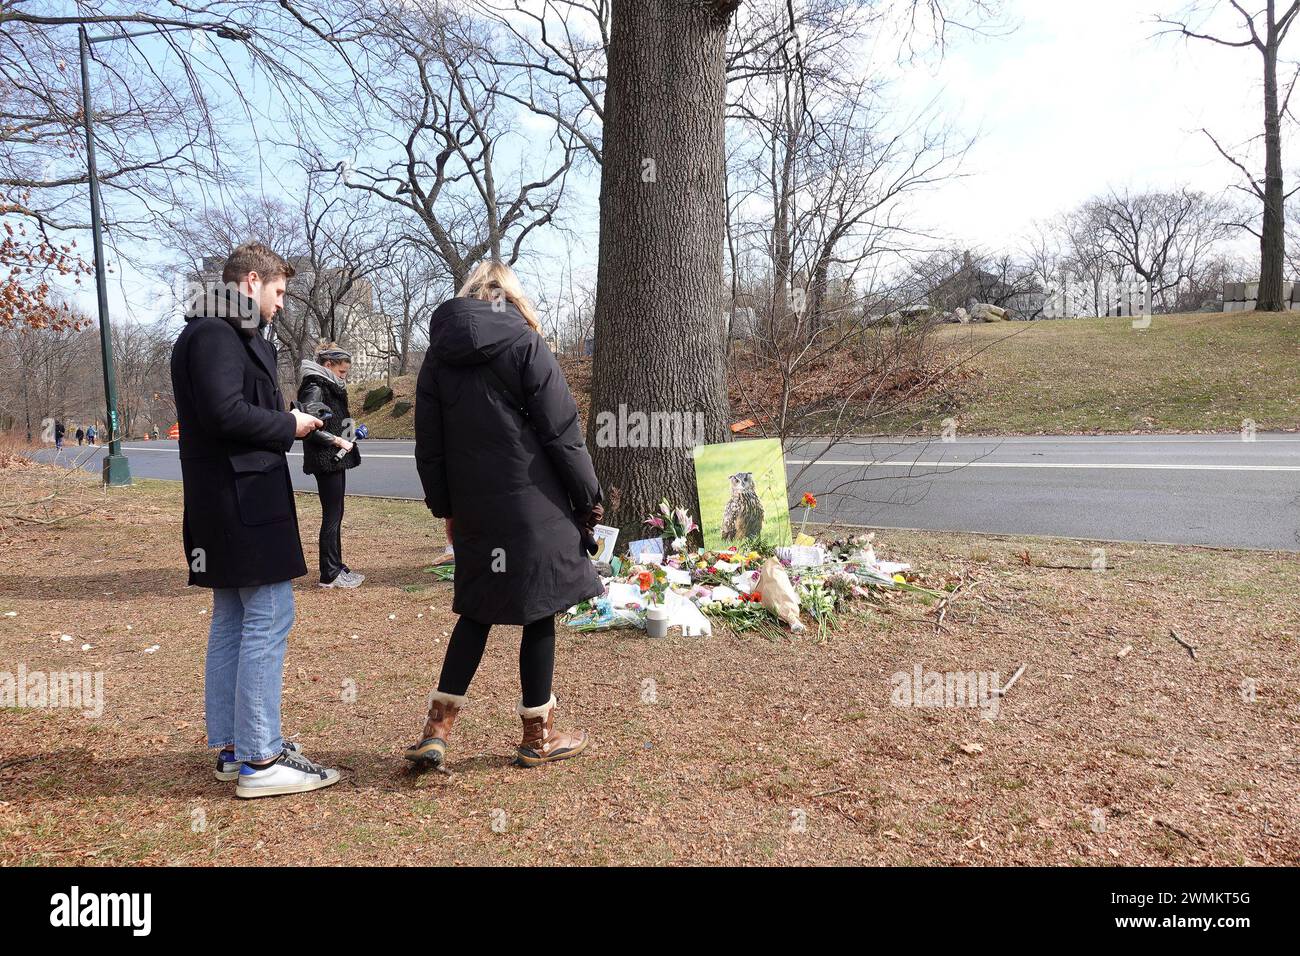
(320, 454)
(516, 487)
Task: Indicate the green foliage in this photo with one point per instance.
(377, 398)
(748, 616)
(401, 408)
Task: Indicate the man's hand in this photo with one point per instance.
(304, 425)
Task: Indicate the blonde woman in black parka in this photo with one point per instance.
(500, 453)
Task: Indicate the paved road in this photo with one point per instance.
(1188, 489)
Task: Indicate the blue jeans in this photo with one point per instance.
(244, 674)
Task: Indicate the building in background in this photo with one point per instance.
(329, 303)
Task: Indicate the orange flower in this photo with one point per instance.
(808, 500)
(645, 579)
(756, 596)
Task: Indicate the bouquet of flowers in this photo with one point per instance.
(819, 601)
(653, 582)
(747, 616)
(599, 614)
(442, 572)
(809, 502)
(675, 523)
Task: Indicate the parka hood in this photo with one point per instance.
(471, 331)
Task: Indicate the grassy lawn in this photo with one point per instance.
(1114, 747)
(1185, 373)
(382, 423)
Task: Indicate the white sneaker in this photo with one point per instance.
(291, 773)
(346, 579)
(229, 769)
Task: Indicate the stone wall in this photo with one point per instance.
(1242, 296)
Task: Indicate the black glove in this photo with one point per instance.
(587, 521)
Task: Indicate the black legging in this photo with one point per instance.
(536, 658)
(333, 490)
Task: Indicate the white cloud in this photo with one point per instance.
(1077, 100)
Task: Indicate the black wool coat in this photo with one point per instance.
(319, 454)
(515, 488)
(240, 525)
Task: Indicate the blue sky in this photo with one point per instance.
(1079, 98)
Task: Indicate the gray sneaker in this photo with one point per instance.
(346, 579)
(290, 773)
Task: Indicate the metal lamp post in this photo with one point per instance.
(117, 470)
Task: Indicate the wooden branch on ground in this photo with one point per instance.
(25, 504)
(1191, 650)
(1001, 692)
(827, 793)
(47, 522)
(942, 609)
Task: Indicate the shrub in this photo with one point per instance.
(401, 408)
(377, 398)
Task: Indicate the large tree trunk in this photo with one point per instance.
(659, 320)
(1272, 233)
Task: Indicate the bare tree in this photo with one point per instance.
(142, 353)
(408, 287)
(553, 58)
(162, 91)
(336, 242)
(1265, 31)
(49, 372)
(1163, 237)
(659, 299)
(821, 170)
(445, 129)
(1087, 263)
(345, 246)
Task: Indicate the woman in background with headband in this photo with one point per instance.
(328, 453)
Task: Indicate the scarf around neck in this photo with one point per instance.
(311, 368)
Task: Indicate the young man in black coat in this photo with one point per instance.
(240, 525)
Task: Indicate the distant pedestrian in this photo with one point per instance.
(81, 435)
(90, 435)
(329, 458)
(58, 434)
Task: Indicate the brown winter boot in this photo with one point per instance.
(432, 748)
(542, 744)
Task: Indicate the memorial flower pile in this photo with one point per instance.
(725, 583)
(749, 586)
